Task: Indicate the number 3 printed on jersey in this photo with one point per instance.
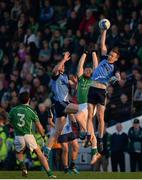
(21, 119)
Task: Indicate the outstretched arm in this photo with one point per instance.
(103, 42)
(81, 64)
(95, 60)
(59, 66)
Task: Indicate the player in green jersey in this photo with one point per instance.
(21, 118)
(84, 81)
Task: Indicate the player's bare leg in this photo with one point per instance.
(44, 162)
(81, 119)
(60, 122)
(20, 157)
(75, 149)
(100, 114)
(71, 108)
(90, 125)
(91, 136)
(65, 151)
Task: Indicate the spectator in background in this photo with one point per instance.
(138, 98)
(87, 22)
(22, 52)
(27, 67)
(135, 146)
(133, 21)
(114, 38)
(33, 25)
(16, 10)
(110, 111)
(22, 21)
(46, 13)
(126, 33)
(43, 115)
(56, 52)
(79, 8)
(57, 37)
(44, 53)
(138, 34)
(72, 22)
(132, 48)
(3, 148)
(119, 143)
(123, 109)
(10, 161)
(122, 87)
(4, 36)
(30, 37)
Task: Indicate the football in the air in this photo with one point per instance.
(104, 24)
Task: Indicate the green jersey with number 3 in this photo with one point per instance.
(21, 117)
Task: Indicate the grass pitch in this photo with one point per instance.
(61, 175)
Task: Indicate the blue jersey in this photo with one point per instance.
(104, 72)
(59, 86)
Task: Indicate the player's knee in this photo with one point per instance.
(57, 133)
(100, 117)
(90, 117)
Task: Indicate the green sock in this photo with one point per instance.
(94, 151)
(49, 173)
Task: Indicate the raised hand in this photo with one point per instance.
(66, 56)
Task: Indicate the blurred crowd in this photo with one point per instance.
(35, 34)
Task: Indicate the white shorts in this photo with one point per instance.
(84, 108)
(27, 140)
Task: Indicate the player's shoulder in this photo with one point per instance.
(31, 109)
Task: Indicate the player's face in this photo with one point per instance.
(112, 57)
(88, 72)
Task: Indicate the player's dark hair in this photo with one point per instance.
(24, 97)
(116, 50)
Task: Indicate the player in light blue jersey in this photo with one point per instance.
(102, 75)
(67, 137)
(60, 89)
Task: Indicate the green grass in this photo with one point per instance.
(61, 175)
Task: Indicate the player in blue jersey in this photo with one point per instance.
(102, 75)
(67, 137)
(60, 88)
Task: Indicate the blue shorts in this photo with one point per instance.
(66, 137)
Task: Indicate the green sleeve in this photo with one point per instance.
(35, 117)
